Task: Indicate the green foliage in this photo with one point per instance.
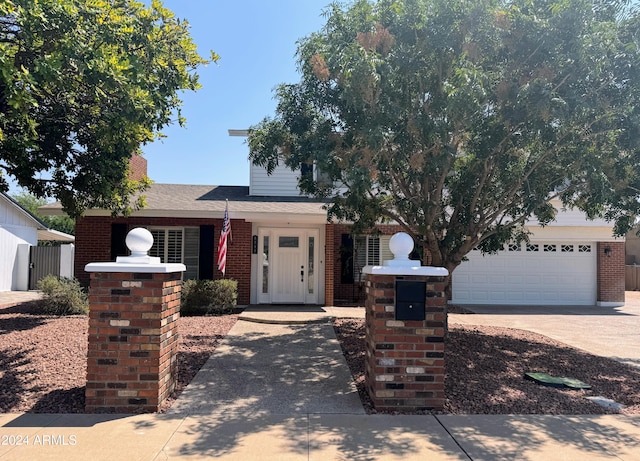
(83, 84)
(31, 203)
(208, 297)
(461, 120)
(62, 296)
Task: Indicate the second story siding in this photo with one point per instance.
(282, 182)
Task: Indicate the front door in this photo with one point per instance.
(289, 270)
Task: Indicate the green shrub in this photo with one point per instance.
(62, 296)
(208, 297)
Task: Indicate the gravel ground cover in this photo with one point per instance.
(43, 358)
(42, 366)
(485, 369)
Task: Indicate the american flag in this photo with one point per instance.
(222, 244)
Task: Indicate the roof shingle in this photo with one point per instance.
(209, 201)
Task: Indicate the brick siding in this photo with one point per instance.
(611, 272)
(93, 244)
(329, 265)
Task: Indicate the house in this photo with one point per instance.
(20, 232)
(283, 250)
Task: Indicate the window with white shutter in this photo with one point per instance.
(366, 252)
(173, 251)
(177, 245)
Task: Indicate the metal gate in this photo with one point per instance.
(42, 262)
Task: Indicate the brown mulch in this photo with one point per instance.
(43, 366)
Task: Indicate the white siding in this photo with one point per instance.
(570, 218)
(15, 229)
(10, 216)
(10, 260)
(281, 183)
(67, 253)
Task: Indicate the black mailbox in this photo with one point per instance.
(410, 300)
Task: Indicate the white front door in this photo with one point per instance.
(289, 268)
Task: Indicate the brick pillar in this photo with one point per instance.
(404, 369)
(133, 341)
(611, 283)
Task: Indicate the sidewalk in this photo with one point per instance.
(283, 392)
(14, 298)
(319, 437)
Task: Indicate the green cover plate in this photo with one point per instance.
(552, 381)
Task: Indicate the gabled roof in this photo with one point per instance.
(207, 201)
(44, 233)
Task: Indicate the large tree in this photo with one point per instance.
(462, 119)
(83, 84)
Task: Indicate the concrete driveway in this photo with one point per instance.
(605, 331)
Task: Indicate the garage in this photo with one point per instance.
(537, 272)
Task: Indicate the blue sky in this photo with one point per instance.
(256, 41)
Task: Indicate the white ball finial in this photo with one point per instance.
(401, 245)
(139, 241)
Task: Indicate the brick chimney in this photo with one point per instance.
(137, 167)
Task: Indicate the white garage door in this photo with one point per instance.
(530, 273)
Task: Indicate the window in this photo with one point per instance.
(359, 251)
(310, 265)
(548, 248)
(306, 170)
(366, 251)
(532, 247)
(177, 245)
(567, 248)
(288, 242)
(265, 264)
(514, 247)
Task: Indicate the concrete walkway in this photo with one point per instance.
(283, 392)
(273, 369)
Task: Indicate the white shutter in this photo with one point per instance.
(385, 252)
(174, 246)
(157, 250)
(366, 251)
(373, 251)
